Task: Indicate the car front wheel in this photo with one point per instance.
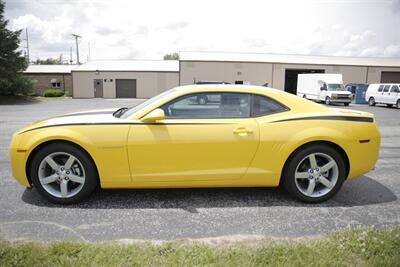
(328, 100)
(63, 173)
(314, 173)
(398, 103)
(371, 101)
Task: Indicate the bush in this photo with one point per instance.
(53, 93)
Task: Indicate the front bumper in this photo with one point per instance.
(18, 160)
(340, 99)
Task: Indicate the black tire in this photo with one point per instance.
(346, 104)
(288, 177)
(328, 100)
(304, 96)
(398, 103)
(91, 176)
(371, 102)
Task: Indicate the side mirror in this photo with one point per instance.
(322, 88)
(154, 116)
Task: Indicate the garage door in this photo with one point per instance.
(390, 77)
(126, 88)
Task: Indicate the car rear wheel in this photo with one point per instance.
(398, 103)
(371, 101)
(314, 173)
(63, 173)
(328, 100)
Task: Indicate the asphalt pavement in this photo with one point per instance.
(369, 200)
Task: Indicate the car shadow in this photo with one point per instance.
(358, 192)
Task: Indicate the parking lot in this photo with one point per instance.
(370, 200)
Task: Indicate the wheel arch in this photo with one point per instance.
(333, 145)
(49, 142)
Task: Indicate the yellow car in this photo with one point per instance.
(198, 136)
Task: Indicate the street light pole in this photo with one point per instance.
(77, 47)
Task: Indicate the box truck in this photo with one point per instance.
(321, 87)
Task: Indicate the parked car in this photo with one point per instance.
(320, 87)
(254, 136)
(383, 93)
(358, 91)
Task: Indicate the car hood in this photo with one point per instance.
(83, 117)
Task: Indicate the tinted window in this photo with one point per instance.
(386, 88)
(395, 89)
(380, 88)
(209, 105)
(263, 106)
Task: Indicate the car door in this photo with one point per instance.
(205, 136)
(393, 94)
(384, 97)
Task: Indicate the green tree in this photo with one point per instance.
(172, 56)
(12, 62)
(48, 61)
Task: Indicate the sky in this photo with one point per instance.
(148, 29)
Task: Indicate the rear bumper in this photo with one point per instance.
(363, 156)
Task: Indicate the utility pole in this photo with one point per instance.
(70, 55)
(77, 47)
(27, 45)
(88, 57)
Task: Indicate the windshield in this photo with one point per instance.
(149, 101)
(335, 87)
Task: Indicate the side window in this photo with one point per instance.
(386, 88)
(395, 89)
(263, 106)
(380, 88)
(209, 105)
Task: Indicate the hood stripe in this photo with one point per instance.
(85, 113)
(335, 118)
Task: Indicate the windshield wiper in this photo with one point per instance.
(119, 112)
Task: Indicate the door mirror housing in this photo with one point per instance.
(154, 116)
(323, 88)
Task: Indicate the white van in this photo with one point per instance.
(383, 93)
(322, 87)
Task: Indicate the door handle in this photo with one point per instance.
(242, 131)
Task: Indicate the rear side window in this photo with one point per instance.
(386, 88)
(263, 105)
(380, 88)
(395, 89)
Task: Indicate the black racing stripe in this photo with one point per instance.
(85, 113)
(119, 123)
(336, 118)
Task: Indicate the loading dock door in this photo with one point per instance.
(125, 88)
(291, 78)
(98, 87)
(390, 77)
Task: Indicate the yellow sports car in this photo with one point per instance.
(198, 136)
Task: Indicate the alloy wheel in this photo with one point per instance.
(61, 174)
(316, 175)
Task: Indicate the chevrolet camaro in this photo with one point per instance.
(242, 136)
